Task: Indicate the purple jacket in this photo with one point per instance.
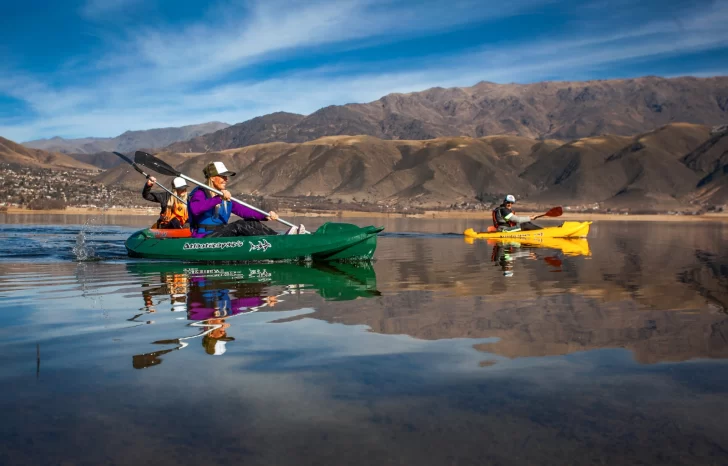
(199, 204)
(201, 311)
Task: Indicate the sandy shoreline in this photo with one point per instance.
(582, 216)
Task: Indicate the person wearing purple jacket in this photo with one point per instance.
(210, 212)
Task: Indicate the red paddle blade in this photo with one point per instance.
(491, 229)
(555, 212)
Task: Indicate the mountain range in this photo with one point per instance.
(669, 168)
(546, 110)
(128, 141)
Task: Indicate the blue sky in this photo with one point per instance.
(77, 68)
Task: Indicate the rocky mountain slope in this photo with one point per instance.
(128, 141)
(267, 128)
(546, 110)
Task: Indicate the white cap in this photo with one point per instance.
(217, 169)
(510, 198)
(179, 183)
(220, 347)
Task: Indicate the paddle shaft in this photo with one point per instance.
(209, 188)
(136, 167)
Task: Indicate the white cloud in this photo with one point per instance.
(166, 76)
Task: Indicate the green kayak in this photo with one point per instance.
(330, 242)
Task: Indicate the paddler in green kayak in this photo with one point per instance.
(209, 212)
(174, 210)
(505, 219)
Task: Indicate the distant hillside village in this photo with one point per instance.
(46, 188)
(52, 189)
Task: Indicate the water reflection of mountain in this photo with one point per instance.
(210, 296)
(658, 293)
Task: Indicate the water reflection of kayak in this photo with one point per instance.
(212, 296)
(569, 246)
(334, 281)
(330, 242)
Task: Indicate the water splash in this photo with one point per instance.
(82, 250)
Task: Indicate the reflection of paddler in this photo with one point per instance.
(214, 342)
(177, 283)
(174, 285)
(208, 303)
(504, 254)
(212, 306)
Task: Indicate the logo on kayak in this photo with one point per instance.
(260, 274)
(220, 245)
(261, 245)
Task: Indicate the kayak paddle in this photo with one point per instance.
(136, 167)
(553, 212)
(160, 166)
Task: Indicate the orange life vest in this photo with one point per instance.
(175, 209)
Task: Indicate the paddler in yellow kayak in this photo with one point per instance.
(505, 219)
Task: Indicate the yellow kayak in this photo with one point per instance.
(566, 230)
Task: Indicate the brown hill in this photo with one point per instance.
(103, 160)
(560, 110)
(371, 169)
(267, 128)
(124, 175)
(646, 170)
(128, 141)
(711, 161)
(13, 153)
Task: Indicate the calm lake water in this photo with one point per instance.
(441, 351)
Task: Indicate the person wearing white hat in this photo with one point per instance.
(210, 212)
(174, 212)
(505, 219)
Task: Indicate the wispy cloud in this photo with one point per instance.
(170, 75)
(95, 9)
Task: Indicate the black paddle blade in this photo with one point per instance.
(155, 164)
(124, 158)
(130, 162)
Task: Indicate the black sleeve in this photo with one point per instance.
(160, 198)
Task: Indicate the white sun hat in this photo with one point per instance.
(217, 169)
